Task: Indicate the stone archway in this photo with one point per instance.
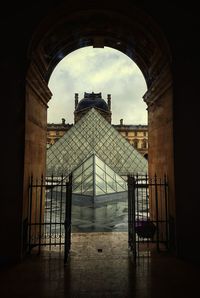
(129, 30)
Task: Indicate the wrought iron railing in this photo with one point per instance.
(49, 214)
(148, 214)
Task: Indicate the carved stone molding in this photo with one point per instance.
(112, 28)
(37, 83)
(159, 86)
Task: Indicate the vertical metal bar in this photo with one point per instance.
(128, 181)
(40, 216)
(166, 211)
(30, 213)
(66, 223)
(137, 199)
(133, 217)
(66, 236)
(146, 196)
(51, 204)
(70, 209)
(61, 198)
(147, 205)
(130, 223)
(136, 184)
(157, 218)
(55, 212)
(142, 205)
(131, 214)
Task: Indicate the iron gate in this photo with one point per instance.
(131, 214)
(148, 222)
(49, 214)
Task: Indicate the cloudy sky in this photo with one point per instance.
(102, 70)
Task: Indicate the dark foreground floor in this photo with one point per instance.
(100, 265)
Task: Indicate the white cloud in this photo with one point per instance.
(100, 70)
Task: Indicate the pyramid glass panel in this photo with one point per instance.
(92, 134)
(99, 191)
(94, 184)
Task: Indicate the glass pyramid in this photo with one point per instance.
(95, 178)
(92, 134)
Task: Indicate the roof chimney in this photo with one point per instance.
(121, 121)
(109, 101)
(76, 100)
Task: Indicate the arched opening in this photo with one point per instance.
(127, 33)
(110, 71)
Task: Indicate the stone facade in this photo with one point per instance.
(136, 135)
(56, 130)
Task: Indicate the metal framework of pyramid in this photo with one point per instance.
(94, 178)
(92, 134)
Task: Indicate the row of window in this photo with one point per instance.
(135, 133)
(55, 133)
(140, 145)
(127, 134)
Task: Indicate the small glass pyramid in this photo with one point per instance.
(94, 178)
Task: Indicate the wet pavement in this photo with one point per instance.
(100, 265)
